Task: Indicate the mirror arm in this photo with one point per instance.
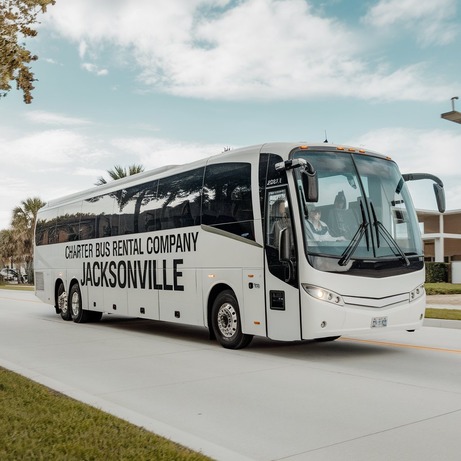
(439, 191)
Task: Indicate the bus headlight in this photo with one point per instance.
(323, 295)
(417, 293)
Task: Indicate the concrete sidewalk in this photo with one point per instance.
(444, 301)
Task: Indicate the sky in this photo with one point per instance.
(158, 82)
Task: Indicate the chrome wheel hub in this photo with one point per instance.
(227, 320)
(75, 304)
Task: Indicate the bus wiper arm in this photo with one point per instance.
(380, 227)
(350, 249)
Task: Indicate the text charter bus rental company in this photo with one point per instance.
(280, 240)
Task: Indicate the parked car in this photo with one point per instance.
(9, 274)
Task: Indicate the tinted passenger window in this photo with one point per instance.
(97, 217)
(45, 231)
(67, 227)
(269, 177)
(179, 200)
(127, 206)
(147, 219)
(227, 202)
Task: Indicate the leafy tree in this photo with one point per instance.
(23, 225)
(17, 17)
(8, 247)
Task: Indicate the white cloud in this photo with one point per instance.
(82, 47)
(430, 21)
(50, 118)
(94, 69)
(49, 149)
(432, 151)
(156, 152)
(251, 49)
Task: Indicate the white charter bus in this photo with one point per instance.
(285, 241)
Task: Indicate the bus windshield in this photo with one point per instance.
(364, 218)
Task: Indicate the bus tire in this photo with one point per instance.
(226, 323)
(75, 299)
(61, 302)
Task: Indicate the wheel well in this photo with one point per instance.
(56, 288)
(211, 299)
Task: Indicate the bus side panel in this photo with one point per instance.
(143, 303)
(43, 286)
(253, 317)
(93, 298)
(179, 299)
(282, 308)
(116, 300)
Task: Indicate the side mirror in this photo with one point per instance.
(309, 180)
(285, 246)
(439, 197)
(438, 187)
(310, 185)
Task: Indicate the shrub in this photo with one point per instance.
(437, 272)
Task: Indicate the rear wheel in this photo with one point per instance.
(226, 323)
(63, 305)
(75, 299)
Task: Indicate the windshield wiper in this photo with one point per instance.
(393, 245)
(354, 243)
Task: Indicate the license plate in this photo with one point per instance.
(378, 322)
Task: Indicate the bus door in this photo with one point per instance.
(282, 290)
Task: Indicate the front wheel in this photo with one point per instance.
(75, 299)
(226, 323)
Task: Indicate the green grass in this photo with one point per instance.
(443, 288)
(16, 287)
(444, 314)
(37, 423)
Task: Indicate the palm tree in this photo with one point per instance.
(23, 225)
(120, 172)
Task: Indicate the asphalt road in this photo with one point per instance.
(392, 397)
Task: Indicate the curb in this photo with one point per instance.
(439, 323)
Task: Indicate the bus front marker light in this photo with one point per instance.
(323, 295)
(416, 293)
